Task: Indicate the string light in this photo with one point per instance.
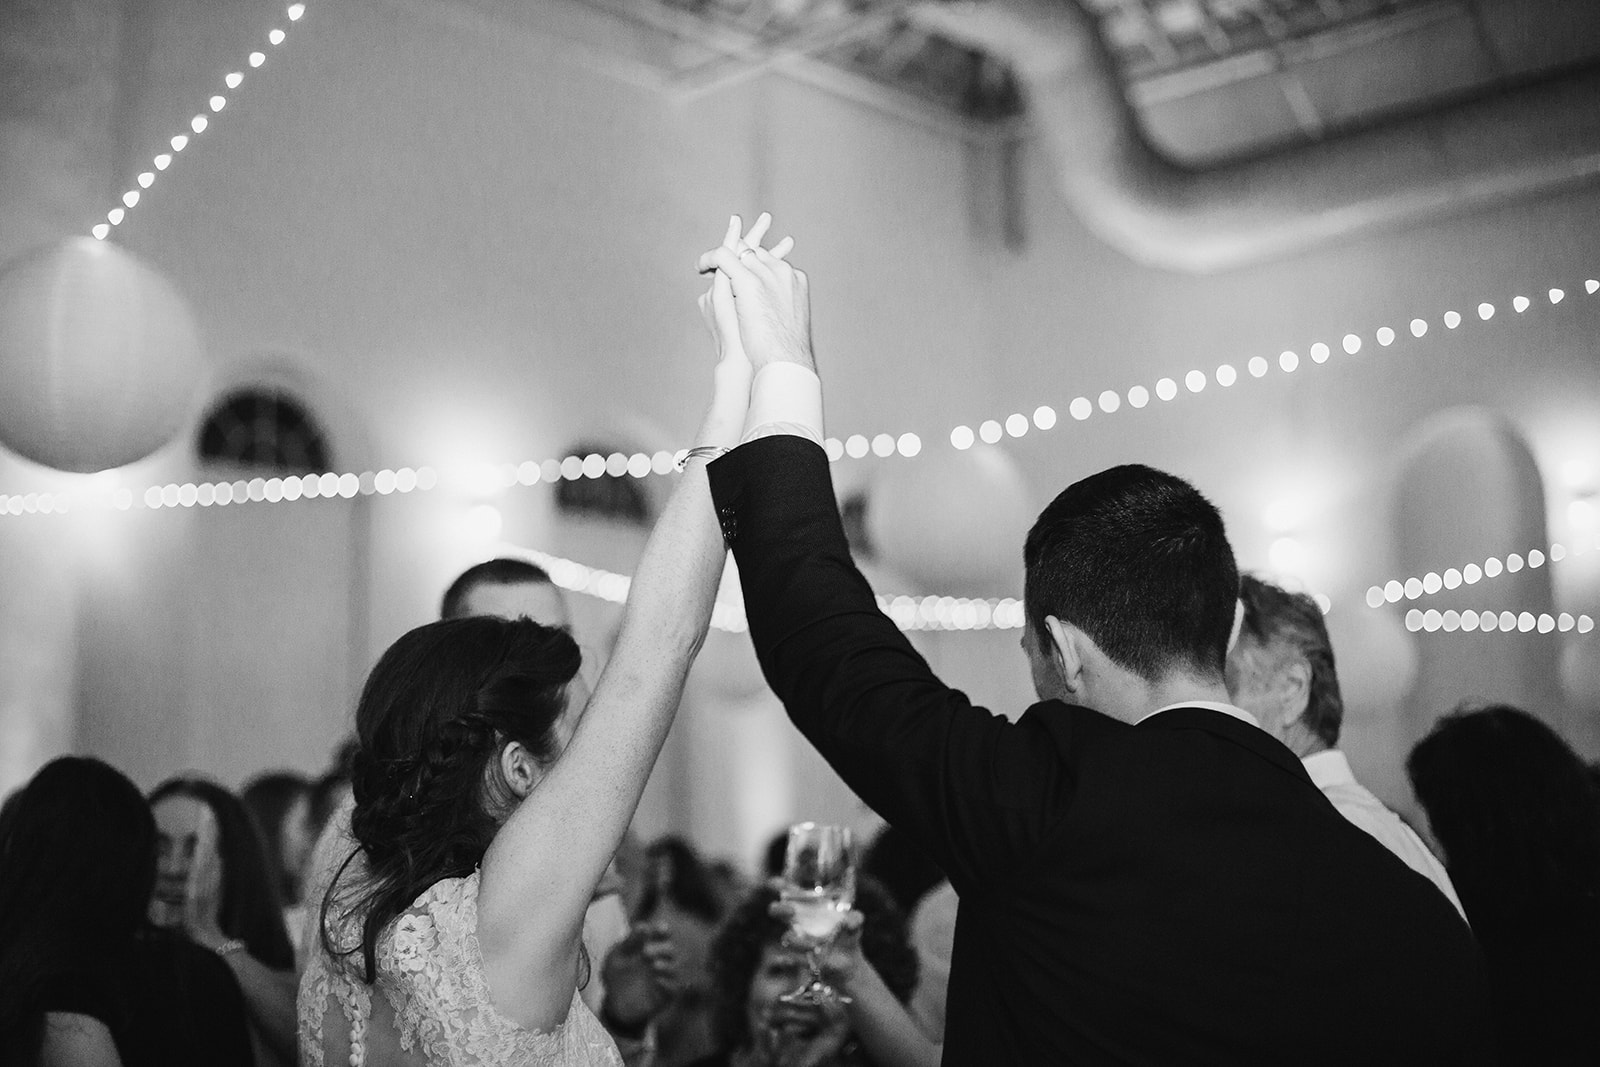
(1414, 587)
(34, 504)
(908, 613)
(1110, 401)
(1488, 622)
(197, 125)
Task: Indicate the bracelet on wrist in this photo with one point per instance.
(705, 452)
(229, 947)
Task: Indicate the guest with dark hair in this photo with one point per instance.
(754, 966)
(676, 881)
(729, 884)
(1281, 670)
(214, 881)
(1517, 818)
(280, 804)
(677, 896)
(84, 979)
(508, 588)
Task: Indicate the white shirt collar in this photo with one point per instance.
(1209, 705)
(1329, 768)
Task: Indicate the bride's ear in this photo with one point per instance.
(518, 768)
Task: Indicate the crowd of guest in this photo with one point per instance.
(165, 933)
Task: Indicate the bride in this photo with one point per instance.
(491, 790)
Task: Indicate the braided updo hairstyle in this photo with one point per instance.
(434, 716)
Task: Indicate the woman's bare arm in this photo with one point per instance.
(541, 870)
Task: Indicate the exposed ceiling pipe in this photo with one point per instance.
(1515, 144)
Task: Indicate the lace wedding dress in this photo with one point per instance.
(430, 1005)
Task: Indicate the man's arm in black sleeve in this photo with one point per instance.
(973, 788)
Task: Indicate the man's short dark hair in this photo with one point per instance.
(1275, 616)
(491, 572)
(1139, 561)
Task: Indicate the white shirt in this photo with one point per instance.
(1209, 705)
(1330, 771)
(785, 398)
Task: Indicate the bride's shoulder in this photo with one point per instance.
(447, 891)
(441, 918)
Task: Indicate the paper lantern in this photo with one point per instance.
(953, 521)
(99, 357)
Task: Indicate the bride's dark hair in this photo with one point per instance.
(434, 716)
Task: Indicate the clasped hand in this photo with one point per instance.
(759, 306)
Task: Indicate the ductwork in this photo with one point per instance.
(1516, 144)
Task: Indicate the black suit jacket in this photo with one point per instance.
(1167, 893)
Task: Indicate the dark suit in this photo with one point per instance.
(1172, 892)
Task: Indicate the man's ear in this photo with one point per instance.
(1064, 645)
(1294, 684)
(519, 769)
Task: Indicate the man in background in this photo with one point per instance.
(509, 588)
(1281, 670)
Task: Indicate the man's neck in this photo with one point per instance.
(1136, 697)
(1187, 690)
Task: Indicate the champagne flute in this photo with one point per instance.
(819, 885)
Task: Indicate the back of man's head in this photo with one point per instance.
(548, 607)
(1284, 624)
(1140, 562)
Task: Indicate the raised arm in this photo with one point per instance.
(540, 872)
(969, 786)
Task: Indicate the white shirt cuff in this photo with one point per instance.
(785, 398)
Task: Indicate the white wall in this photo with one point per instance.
(479, 248)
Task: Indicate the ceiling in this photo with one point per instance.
(1209, 80)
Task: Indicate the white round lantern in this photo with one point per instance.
(953, 521)
(99, 357)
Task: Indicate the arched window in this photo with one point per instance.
(264, 428)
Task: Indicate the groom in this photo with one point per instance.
(1145, 875)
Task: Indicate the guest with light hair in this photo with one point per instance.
(1281, 670)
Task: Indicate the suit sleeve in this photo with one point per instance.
(976, 790)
